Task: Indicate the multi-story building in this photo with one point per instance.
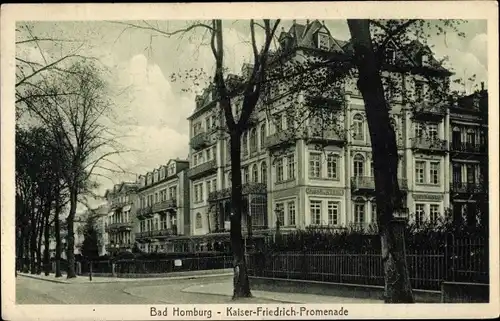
(163, 209)
(121, 218)
(469, 157)
(101, 213)
(289, 180)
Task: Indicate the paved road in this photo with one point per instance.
(33, 291)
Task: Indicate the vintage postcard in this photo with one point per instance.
(249, 161)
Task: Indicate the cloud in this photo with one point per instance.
(478, 46)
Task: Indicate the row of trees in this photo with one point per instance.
(62, 100)
(363, 61)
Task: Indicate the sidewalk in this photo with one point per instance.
(81, 279)
(226, 289)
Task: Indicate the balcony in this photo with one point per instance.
(467, 188)
(114, 247)
(459, 147)
(163, 233)
(281, 138)
(116, 227)
(118, 205)
(429, 144)
(202, 170)
(425, 111)
(145, 212)
(166, 205)
(327, 136)
(363, 183)
(200, 141)
(249, 188)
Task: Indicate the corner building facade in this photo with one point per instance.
(290, 183)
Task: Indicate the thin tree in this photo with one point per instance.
(237, 98)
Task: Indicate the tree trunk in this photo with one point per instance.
(240, 280)
(70, 239)
(57, 234)
(385, 157)
(46, 250)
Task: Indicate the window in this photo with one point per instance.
(471, 138)
(255, 173)
(434, 172)
(372, 168)
(333, 213)
(332, 166)
(434, 213)
(419, 91)
(253, 140)
(280, 214)
(374, 212)
(418, 130)
(289, 121)
(157, 199)
(214, 184)
(209, 187)
(323, 41)
(291, 213)
(433, 131)
(471, 173)
(359, 213)
(358, 126)
(279, 170)
(263, 171)
(246, 174)
(420, 172)
(198, 192)
(291, 166)
(278, 123)
(262, 136)
(359, 166)
(199, 221)
(244, 143)
(208, 124)
(229, 179)
(314, 165)
(419, 213)
(315, 207)
(390, 56)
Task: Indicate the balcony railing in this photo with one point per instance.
(425, 143)
(428, 111)
(145, 212)
(165, 205)
(118, 205)
(112, 247)
(325, 135)
(249, 188)
(202, 169)
(121, 226)
(200, 140)
(468, 148)
(282, 137)
(156, 233)
(467, 188)
(368, 183)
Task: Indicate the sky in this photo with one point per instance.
(151, 110)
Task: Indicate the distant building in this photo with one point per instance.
(469, 157)
(163, 209)
(121, 218)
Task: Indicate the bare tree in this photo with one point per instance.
(237, 101)
(76, 121)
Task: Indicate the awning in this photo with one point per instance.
(127, 208)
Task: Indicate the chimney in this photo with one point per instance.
(307, 21)
(482, 85)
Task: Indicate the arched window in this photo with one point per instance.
(199, 221)
(255, 173)
(263, 172)
(262, 136)
(253, 140)
(359, 165)
(244, 143)
(358, 127)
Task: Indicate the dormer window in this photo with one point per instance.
(323, 41)
(390, 56)
(425, 60)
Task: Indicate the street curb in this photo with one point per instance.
(36, 277)
(128, 280)
(229, 296)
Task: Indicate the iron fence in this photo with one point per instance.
(173, 265)
(459, 260)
